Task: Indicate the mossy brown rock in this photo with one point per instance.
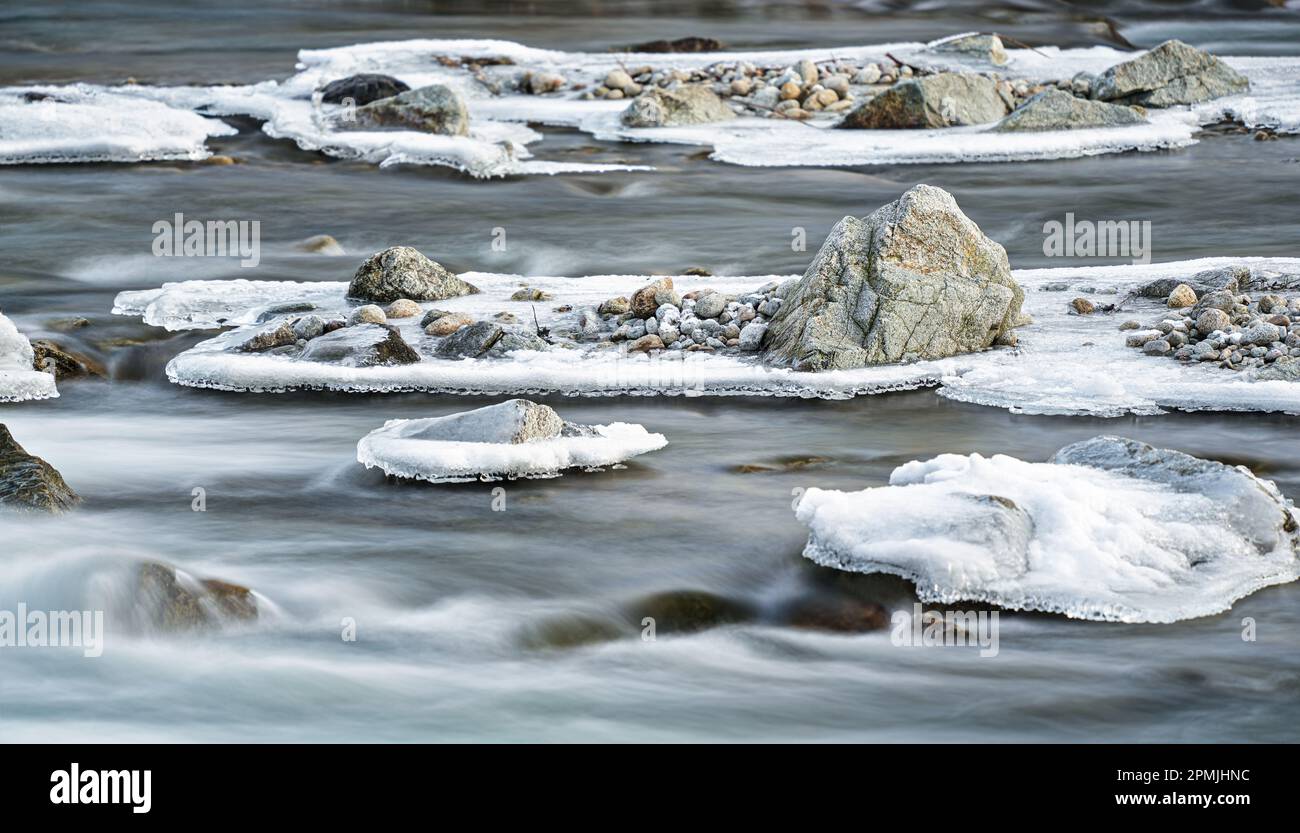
(28, 482)
(65, 363)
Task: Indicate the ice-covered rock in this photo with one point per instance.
(1172, 73)
(516, 438)
(28, 482)
(947, 99)
(1109, 529)
(1058, 110)
(19, 378)
(914, 279)
(404, 272)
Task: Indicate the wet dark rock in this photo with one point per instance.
(28, 482)
(65, 363)
(470, 341)
(686, 611)
(362, 89)
(690, 43)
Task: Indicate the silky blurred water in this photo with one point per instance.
(449, 595)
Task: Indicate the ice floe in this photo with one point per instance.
(514, 439)
(83, 123)
(141, 123)
(18, 380)
(1063, 364)
(1109, 529)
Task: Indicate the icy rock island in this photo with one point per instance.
(517, 438)
(1109, 529)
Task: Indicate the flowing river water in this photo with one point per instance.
(456, 604)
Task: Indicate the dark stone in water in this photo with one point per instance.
(362, 89)
(285, 309)
(690, 43)
(686, 611)
(28, 482)
(843, 615)
(176, 605)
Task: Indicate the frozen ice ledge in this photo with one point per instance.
(1108, 529)
(1063, 363)
(497, 82)
(19, 380)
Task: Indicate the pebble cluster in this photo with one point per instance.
(1235, 330)
(794, 92)
(657, 318)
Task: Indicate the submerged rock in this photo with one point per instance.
(321, 244)
(688, 104)
(403, 272)
(948, 99)
(28, 482)
(915, 278)
(361, 345)
(432, 109)
(1054, 109)
(687, 611)
(691, 43)
(63, 362)
(178, 602)
(362, 89)
(1172, 73)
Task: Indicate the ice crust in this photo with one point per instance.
(143, 123)
(1101, 533)
(18, 380)
(84, 123)
(1064, 364)
(397, 449)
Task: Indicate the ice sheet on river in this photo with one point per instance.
(83, 123)
(1064, 363)
(55, 130)
(18, 380)
(1109, 529)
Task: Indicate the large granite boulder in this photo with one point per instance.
(1172, 73)
(688, 104)
(28, 482)
(433, 109)
(1055, 109)
(402, 272)
(362, 89)
(948, 99)
(914, 280)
